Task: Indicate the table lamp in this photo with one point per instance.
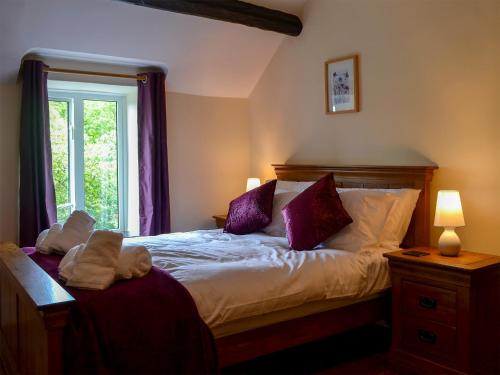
(252, 183)
(449, 215)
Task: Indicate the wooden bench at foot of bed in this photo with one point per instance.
(33, 313)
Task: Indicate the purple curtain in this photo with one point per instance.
(37, 198)
(154, 205)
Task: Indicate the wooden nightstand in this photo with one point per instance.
(445, 312)
(220, 220)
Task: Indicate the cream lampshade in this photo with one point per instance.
(252, 183)
(449, 215)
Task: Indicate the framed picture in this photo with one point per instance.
(342, 85)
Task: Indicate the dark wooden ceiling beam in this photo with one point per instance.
(234, 11)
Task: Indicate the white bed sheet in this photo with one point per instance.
(233, 277)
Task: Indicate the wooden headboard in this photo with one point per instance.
(371, 177)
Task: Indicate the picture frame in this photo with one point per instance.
(342, 85)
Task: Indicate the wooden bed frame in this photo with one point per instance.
(34, 308)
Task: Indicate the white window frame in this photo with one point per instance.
(76, 143)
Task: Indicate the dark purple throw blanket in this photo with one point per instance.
(141, 326)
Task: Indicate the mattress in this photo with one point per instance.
(237, 282)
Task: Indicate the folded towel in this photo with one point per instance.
(41, 237)
(76, 230)
(68, 262)
(46, 238)
(134, 261)
(95, 266)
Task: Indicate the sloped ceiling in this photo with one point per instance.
(203, 57)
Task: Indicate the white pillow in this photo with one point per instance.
(277, 227)
(369, 210)
(398, 218)
(296, 186)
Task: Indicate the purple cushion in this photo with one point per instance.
(315, 215)
(251, 211)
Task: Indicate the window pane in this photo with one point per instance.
(59, 125)
(101, 162)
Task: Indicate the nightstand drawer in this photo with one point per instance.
(429, 339)
(429, 302)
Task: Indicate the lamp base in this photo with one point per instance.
(449, 243)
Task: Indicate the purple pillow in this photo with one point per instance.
(315, 215)
(251, 211)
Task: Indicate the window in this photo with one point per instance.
(89, 155)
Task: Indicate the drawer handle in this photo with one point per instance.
(427, 303)
(427, 337)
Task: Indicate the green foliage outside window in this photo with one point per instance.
(58, 114)
(100, 172)
(101, 162)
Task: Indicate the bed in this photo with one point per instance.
(34, 308)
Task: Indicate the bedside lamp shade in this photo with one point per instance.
(449, 215)
(252, 183)
(449, 209)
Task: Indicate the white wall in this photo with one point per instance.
(208, 156)
(203, 56)
(9, 148)
(430, 92)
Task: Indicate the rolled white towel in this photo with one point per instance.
(95, 266)
(46, 238)
(68, 262)
(41, 237)
(76, 230)
(134, 261)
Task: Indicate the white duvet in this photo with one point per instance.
(233, 277)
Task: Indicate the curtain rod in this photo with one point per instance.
(138, 77)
